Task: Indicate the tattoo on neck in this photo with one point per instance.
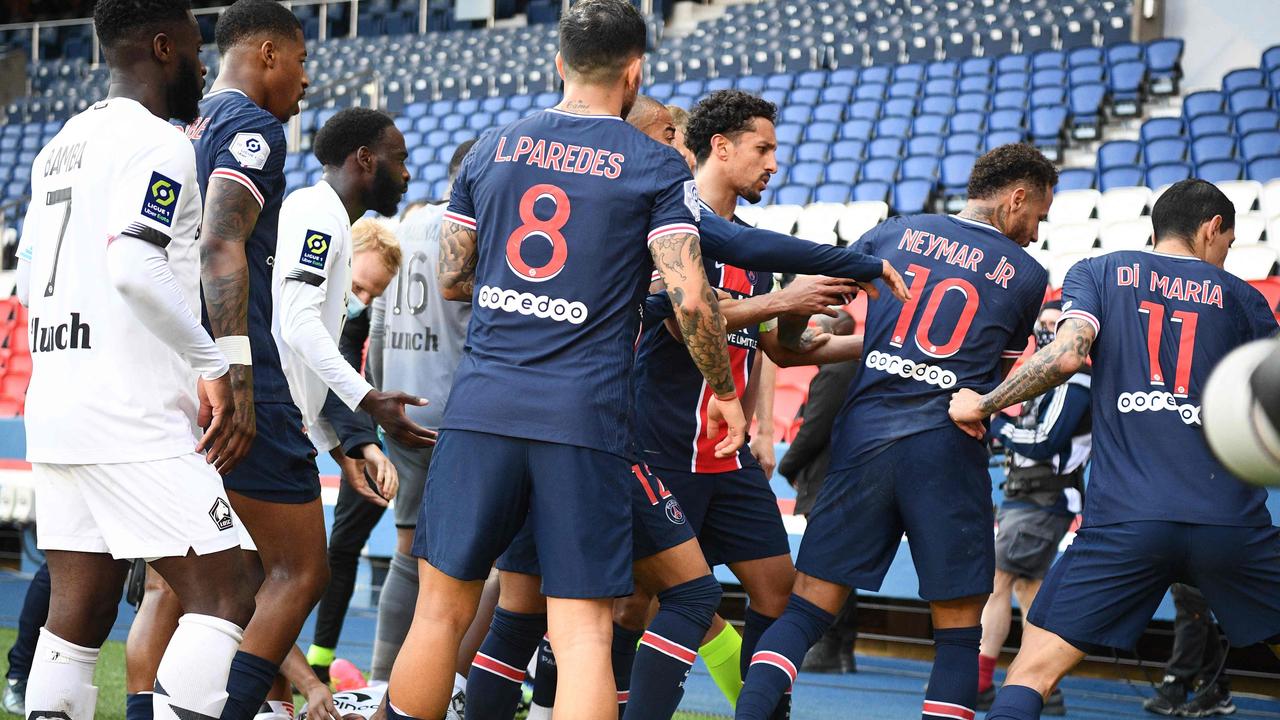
(576, 106)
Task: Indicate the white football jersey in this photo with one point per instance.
(312, 277)
(104, 389)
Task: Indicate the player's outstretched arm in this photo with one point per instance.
(1051, 366)
(815, 348)
(230, 213)
(678, 259)
(458, 258)
(320, 705)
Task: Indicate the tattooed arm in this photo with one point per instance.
(458, 258)
(678, 258)
(230, 212)
(1048, 368)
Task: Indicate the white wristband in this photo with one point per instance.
(236, 348)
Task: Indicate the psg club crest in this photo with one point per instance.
(674, 513)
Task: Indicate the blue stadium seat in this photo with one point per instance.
(789, 133)
(437, 138)
(793, 195)
(1164, 150)
(799, 114)
(1006, 120)
(807, 173)
(885, 169)
(1050, 96)
(968, 122)
(818, 152)
(1012, 64)
(1265, 169)
(1271, 58)
(944, 86)
(780, 81)
(839, 94)
(843, 171)
(1259, 144)
(412, 110)
(899, 107)
(1086, 111)
(857, 129)
(1164, 66)
(961, 143)
(996, 138)
(418, 191)
(1053, 77)
(1256, 120)
(976, 84)
(1165, 127)
(753, 84)
(886, 147)
(823, 132)
(720, 83)
(893, 127)
(878, 74)
(911, 197)
(843, 76)
(1167, 173)
(871, 190)
(1010, 100)
(925, 145)
(942, 70)
(1127, 83)
(1013, 81)
(973, 102)
(493, 105)
(1214, 124)
(975, 66)
(909, 72)
(848, 150)
(433, 172)
(1049, 59)
(833, 193)
(1087, 74)
(1243, 78)
(938, 105)
(1242, 101)
(869, 91)
(421, 155)
(904, 88)
(1119, 176)
(773, 95)
(1082, 56)
(804, 96)
(1212, 147)
(1219, 170)
(520, 103)
(1075, 179)
(955, 171)
(1205, 102)
(1118, 152)
(812, 79)
(1046, 130)
(920, 167)
(928, 125)
(829, 112)
(864, 110)
(506, 117)
(1124, 52)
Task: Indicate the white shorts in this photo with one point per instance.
(149, 510)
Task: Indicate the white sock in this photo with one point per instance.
(459, 684)
(537, 712)
(193, 672)
(61, 679)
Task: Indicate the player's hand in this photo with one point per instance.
(320, 705)
(382, 472)
(227, 414)
(815, 294)
(892, 279)
(762, 448)
(966, 413)
(726, 412)
(387, 409)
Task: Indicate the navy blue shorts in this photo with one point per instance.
(577, 501)
(1104, 589)
(735, 513)
(658, 523)
(933, 486)
(281, 464)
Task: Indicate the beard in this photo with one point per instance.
(185, 92)
(384, 196)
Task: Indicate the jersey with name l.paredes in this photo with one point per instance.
(974, 298)
(564, 207)
(671, 394)
(103, 388)
(1163, 322)
(239, 141)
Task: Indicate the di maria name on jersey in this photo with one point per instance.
(564, 207)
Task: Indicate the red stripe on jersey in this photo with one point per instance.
(623, 696)
(735, 279)
(666, 647)
(461, 219)
(644, 483)
(237, 177)
(947, 710)
(499, 668)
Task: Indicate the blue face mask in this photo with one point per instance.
(354, 307)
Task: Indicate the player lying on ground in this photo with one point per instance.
(1160, 508)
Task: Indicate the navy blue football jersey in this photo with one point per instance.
(237, 140)
(975, 295)
(564, 207)
(1163, 322)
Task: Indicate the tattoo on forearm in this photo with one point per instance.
(679, 259)
(458, 258)
(1046, 369)
(230, 215)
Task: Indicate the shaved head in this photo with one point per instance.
(653, 119)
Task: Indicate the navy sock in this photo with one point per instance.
(250, 680)
(670, 646)
(623, 655)
(497, 673)
(35, 610)
(754, 626)
(777, 656)
(138, 706)
(544, 683)
(953, 683)
(393, 713)
(1016, 702)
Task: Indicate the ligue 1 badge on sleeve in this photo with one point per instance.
(161, 195)
(315, 249)
(691, 199)
(250, 149)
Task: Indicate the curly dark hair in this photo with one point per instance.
(724, 112)
(1008, 164)
(348, 131)
(117, 20)
(599, 37)
(248, 18)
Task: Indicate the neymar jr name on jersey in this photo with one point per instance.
(957, 253)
